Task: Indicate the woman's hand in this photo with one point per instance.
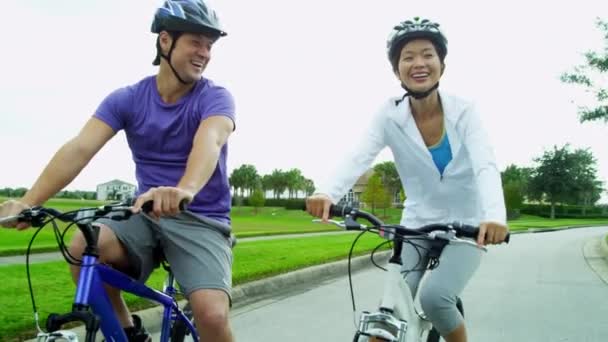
(491, 233)
(318, 205)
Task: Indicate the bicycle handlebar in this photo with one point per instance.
(461, 229)
(121, 211)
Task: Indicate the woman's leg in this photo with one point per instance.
(438, 295)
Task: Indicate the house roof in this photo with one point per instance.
(364, 179)
(116, 182)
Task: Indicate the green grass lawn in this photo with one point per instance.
(253, 260)
(247, 223)
(529, 221)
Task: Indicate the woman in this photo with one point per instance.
(445, 164)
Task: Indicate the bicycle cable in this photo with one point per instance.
(28, 273)
(59, 238)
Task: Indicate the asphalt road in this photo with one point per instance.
(540, 287)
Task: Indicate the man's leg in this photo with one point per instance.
(201, 259)
(211, 309)
(112, 252)
(128, 246)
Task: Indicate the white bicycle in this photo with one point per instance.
(398, 318)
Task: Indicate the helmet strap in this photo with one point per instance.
(174, 37)
(416, 94)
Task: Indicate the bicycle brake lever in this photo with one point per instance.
(354, 225)
(334, 222)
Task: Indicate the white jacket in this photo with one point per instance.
(470, 189)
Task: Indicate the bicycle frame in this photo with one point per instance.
(91, 293)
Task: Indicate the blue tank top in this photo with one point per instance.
(441, 152)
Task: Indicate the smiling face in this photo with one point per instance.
(419, 66)
(190, 55)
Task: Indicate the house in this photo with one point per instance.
(115, 190)
(353, 196)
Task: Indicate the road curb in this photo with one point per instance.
(604, 247)
(595, 251)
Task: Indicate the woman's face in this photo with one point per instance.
(419, 67)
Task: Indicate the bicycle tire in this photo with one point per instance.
(434, 334)
(179, 330)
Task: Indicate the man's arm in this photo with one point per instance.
(68, 161)
(65, 165)
(212, 134)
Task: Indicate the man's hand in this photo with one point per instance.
(12, 208)
(318, 205)
(491, 233)
(166, 200)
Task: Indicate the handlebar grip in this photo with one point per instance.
(472, 232)
(149, 206)
(339, 210)
(469, 231)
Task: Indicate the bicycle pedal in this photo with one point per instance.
(59, 336)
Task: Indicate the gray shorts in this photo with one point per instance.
(198, 249)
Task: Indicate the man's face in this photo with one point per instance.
(191, 53)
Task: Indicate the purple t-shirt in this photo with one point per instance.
(160, 136)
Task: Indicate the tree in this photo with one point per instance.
(596, 64)
(244, 178)
(561, 175)
(237, 181)
(257, 199)
(276, 181)
(513, 198)
(295, 182)
(517, 178)
(588, 189)
(19, 192)
(309, 186)
(375, 195)
(389, 176)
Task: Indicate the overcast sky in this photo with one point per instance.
(306, 76)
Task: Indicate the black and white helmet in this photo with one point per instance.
(415, 29)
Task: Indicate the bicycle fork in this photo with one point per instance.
(396, 319)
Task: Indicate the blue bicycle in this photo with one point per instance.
(91, 304)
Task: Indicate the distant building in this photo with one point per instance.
(353, 196)
(115, 190)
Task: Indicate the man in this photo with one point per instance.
(177, 124)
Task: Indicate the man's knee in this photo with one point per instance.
(109, 247)
(210, 308)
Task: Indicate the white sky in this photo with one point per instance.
(306, 76)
